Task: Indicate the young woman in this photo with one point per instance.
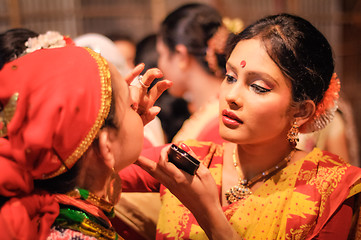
(191, 45)
(68, 121)
(279, 82)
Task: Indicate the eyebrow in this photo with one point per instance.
(253, 73)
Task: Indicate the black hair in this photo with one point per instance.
(12, 43)
(146, 52)
(300, 50)
(192, 25)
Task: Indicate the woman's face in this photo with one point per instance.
(255, 97)
(128, 139)
(169, 63)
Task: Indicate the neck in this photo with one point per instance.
(203, 87)
(94, 174)
(257, 159)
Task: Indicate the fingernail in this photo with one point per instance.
(139, 65)
(185, 147)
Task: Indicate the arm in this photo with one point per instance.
(198, 193)
(135, 179)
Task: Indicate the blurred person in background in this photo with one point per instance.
(126, 47)
(174, 109)
(191, 45)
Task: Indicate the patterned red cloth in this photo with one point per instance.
(61, 99)
(57, 233)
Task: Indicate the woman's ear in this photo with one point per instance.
(105, 147)
(305, 111)
(182, 55)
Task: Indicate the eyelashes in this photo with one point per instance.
(255, 87)
(260, 89)
(230, 79)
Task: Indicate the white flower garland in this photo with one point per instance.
(50, 39)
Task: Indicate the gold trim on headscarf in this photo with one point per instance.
(106, 98)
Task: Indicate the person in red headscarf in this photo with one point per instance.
(68, 121)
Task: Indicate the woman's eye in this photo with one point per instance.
(259, 89)
(230, 79)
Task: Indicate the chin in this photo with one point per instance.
(175, 92)
(230, 135)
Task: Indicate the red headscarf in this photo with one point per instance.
(64, 95)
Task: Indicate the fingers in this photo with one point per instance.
(163, 170)
(147, 164)
(149, 115)
(150, 75)
(158, 89)
(135, 72)
(187, 149)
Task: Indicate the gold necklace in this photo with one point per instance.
(242, 190)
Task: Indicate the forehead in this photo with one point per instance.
(251, 50)
(254, 54)
(120, 87)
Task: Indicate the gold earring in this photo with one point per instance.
(292, 135)
(114, 188)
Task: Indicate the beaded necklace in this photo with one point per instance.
(242, 189)
(78, 219)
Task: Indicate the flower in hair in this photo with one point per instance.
(234, 25)
(216, 45)
(326, 108)
(50, 39)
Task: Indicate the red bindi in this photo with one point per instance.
(243, 63)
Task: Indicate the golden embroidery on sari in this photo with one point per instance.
(300, 233)
(325, 179)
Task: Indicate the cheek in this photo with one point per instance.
(131, 139)
(268, 114)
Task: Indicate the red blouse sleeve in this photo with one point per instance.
(135, 179)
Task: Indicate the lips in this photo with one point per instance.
(229, 118)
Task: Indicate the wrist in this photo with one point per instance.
(216, 225)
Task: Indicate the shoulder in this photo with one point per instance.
(325, 158)
(322, 166)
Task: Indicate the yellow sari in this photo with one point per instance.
(295, 203)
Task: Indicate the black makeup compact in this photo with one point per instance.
(182, 160)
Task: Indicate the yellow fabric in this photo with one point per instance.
(276, 210)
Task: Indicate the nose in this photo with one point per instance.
(234, 96)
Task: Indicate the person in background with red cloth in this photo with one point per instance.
(279, 82)
(68, 122)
